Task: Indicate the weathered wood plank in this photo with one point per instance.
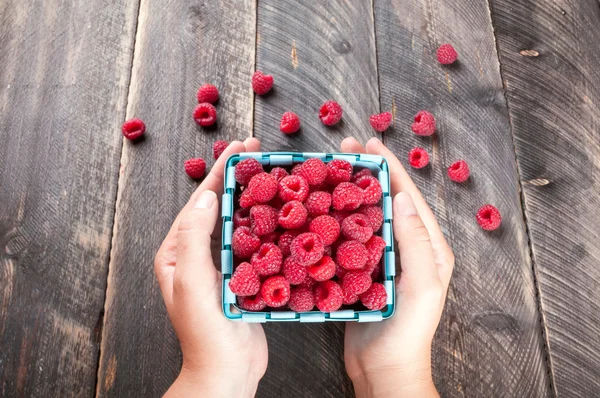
(315, 52)
(490, 341)
(63, 85)
(551, 68)
(179, 46)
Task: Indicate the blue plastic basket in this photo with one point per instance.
(379, 167)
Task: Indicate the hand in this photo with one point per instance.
(220, 357)
(393, 357)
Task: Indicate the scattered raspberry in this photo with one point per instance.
(330, 113)
(246, 200)
(279, 173)
(375, 298)
(459, 171)
(218, 148)
(349, 298)
(262, 187)
(244, 243)
(340, 215)
(446, 54)
(208, 93)
(195, 168)
(244, 281)
(293, 187)
(376, 273)
(374, 214)
(261, 83)
(356, 282)
(246, 169)
(270, 238)
(267, 260)
(361, 174)
(339, 271)
(381, 121)
(292, 215)
(322, 270)
(418, 158)
(296, 169)
(371, 189)
(133, 128)
(424, 124)
(275, 291)
(307, 248)
(205, 114)
(352, 255)
(347, 196)
(328, 296)
(357, 227)
(293, 271)
(285, 240)
(241, 218)
(338, 171)
(301, 299)
(489, 217)
(290, 123)
(263, 219)
(314, 171)
(375, 247)
(252, 303)
(326, 227)
(318, 203)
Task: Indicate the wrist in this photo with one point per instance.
(415, 381)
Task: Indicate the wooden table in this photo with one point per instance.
(82, 212)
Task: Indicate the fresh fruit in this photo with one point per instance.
(205, 114)
(330, 113)
(195, 168)
(133, 129)
(208, 93)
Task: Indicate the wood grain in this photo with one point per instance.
(179, 46)
(554, 104)
(63, 85)
(315, 52)
(490, 341)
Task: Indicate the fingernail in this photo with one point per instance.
(205, 200)
(404, 206)
(375, 139)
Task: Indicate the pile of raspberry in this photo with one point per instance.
(307, 237)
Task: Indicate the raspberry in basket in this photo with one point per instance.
(375, 297)
(357, 227)
(301, 299)
(244, 281)
(356, 282)
(263, 219)
(352, 255)
(262, 187)
(347, 196)
(292, 215)
(322, 270)
(307, 248)
(293, 187)
(338, 171)
(252, 303)
(326, 227)
(293, 271)
(328, 296)
(275, 291)
(267, 260)
(244, 243)
(246, 169)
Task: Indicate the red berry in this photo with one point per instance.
(261, 83)
(375, 247)
(270, 238)
(263, 219)
(374, 214)
(292, 215)
(293, 271)
(195, 168)
(347, 196)
(357, 227)
(307, 248)
(241, 218)
(446, 54)
(244, 243)
(381, 121)
(352, 255)
(262, 187)
(279, 173)
(246, 169)
(205, 114)
(356, 282)
(267, 260)
(244, 281)
(330, 113)
(252, 303)
(489, 217)
(246, 200)
(371, 189)
(459, 171)
(275, 291)
(326, 227)
(340, 215)
(314, 171)
(208, 93)
(349, 298)
(301, 299)
(361, 174)
(218, 148)
(328, 296)
(318, 203)
(322, 270)
(285, 240)
(133, 128)
(309, 282)
(424, 124)
(290, 123)
(338, 170)
(293, 187)
(375, 297)
(418, 158)
(296, 169)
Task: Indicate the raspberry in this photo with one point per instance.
(375, 298)
(381, 121)
(244, 243)
(308, 282)
(374, 214)
(318, 203)
(314, 171)
(356, 282)
(252, 303)
(292, 215)
(205, 114)
(371, 189)
(275, 291)
(330, 113)
(323, 270)
(290, 123)
(307, 248)
(489, 217)
(133, 128)
(262, 187)
(208, 93)
(328, 296)
(424, 124)
(339, 215)
(261, 83)
(270, 238)
(293, 187)
(241, 218)
(195, 168)
(285, 240)
(246, 169)
(218, 148)
(296, 169)
(459, 171)
(361, 174)
(246, 200)
(301, 299)
(293, 271)
(244, 281)
(349, 298)
(352, 255)
(326, 227)
(263, 219)
(375, 247)
(347, 196)
(357, 227)
(267, 260)
(418, 158)
(338, 171)
(279, 173)
(446, 54)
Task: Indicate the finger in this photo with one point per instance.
(351, 145)
(252, 144)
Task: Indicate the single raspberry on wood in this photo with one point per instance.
(246, 169)
(244, 281)
(375, 248)
(374, 214)
(301, 299)
(360, 174)
(352, 255)
(356, 282)
(279, 173)
(275, 291)
(267, 260)
(381, 122)
(195, 168)
(357, 227)
(459, 171)
(290, 123)
(292, 215)
(261, 83)
(241, 218)
(263, 219)
(318, 203)
(246, 200)
(133, 128)
(205, 114)
(262, 187)
(446, 54)
(293, 187)
(489, 217)
(328, 296)
(294, 271)
(322, 270)
(252, 303)
(285, 240)
(375, 297)
(418, 158)
(326, 227)
(244, 243)
(338, 171)
(208, 93)
(307, 248)
(330, 113)
(314, 171)
(347, 196)
(218, 148)
(424, 124)
(371, 189)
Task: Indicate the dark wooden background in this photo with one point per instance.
(82, 212)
